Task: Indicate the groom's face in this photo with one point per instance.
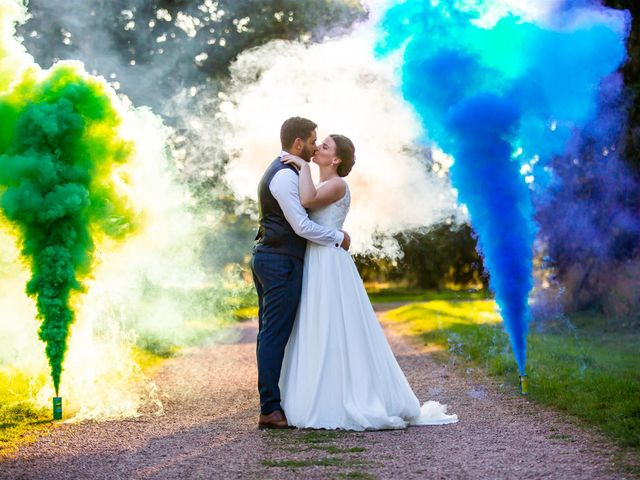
(309, 147)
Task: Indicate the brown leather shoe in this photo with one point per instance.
(275, 419)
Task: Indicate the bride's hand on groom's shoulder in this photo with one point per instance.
(297, 162)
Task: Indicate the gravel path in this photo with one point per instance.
(209, 431)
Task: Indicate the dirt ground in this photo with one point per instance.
(209, 430)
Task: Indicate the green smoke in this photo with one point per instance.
(60, 151)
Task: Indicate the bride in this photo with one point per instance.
(338, 369)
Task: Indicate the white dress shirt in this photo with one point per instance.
(284, 188)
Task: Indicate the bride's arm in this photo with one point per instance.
(329, 192)
(310, 197)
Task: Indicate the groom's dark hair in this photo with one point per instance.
(295, 127)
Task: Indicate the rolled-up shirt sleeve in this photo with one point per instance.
(284, 188)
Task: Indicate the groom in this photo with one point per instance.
(278, 258)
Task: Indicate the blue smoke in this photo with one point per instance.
(503, 102)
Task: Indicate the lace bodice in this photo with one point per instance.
(332, 215)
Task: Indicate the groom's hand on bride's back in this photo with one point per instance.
(346, 242)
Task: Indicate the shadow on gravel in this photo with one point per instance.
(205, 450)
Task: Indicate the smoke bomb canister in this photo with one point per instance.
(57, 408)
(524, 385)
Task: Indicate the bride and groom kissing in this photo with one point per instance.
(323, 359)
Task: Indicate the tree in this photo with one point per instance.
(431, 258)
(631, 72)
(154, 48)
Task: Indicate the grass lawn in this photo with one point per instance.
(20, 420)
(401, 294)
(576, 366)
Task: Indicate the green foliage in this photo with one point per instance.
(431, 258)
(202, 314)
(60, 147)
(445, 254)
(230, 242)
(575, 367)
(631, 71)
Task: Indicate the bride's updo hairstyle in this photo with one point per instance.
(346, 152)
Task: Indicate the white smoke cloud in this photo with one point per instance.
(18, 326)
(553, 14)
(491, 11)
(344, 89)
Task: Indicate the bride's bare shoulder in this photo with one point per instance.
(337, 183)
(327, 192)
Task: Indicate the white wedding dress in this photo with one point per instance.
(338, 369)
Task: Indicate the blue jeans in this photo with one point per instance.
(278, 281)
